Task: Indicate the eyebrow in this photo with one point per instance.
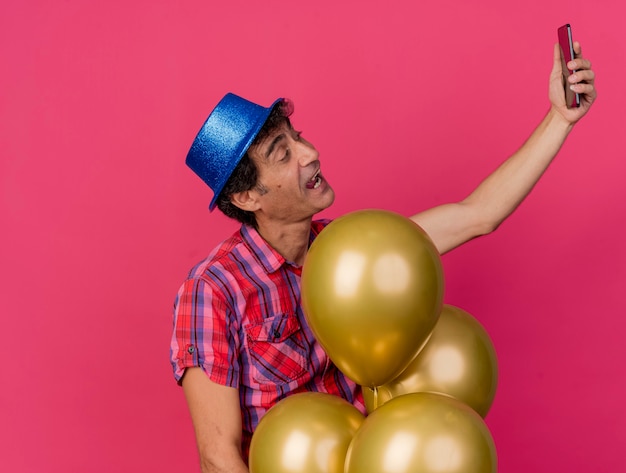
(273, 144)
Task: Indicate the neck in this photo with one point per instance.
(290, 240)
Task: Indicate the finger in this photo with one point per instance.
(582, 76)
(579, 64)
(578, 52)
(584, 89)
(556, 66)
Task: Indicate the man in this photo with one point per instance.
(240, 341)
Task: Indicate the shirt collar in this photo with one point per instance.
(268, 257)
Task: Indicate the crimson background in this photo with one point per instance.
(410, 104)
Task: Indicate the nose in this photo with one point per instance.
(307, 153)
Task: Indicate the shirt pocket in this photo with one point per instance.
(277, 350)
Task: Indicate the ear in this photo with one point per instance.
(246, 200)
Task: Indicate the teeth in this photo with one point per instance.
(315, 181)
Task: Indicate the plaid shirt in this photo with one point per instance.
(238, 317)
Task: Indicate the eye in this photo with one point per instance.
(286, 156)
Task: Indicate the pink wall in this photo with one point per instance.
(410, 104)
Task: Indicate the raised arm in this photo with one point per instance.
(216, 418)
(451, 225)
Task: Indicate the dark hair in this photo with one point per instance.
(244, 177)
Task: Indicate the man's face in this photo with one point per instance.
(290, 185)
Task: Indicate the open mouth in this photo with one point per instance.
(315, 181)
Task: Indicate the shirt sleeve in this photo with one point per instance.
(204, 334)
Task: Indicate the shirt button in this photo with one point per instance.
(191, 349)
(276, 334)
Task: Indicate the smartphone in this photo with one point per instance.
(567, 54)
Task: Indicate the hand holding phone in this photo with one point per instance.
(567, 54)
